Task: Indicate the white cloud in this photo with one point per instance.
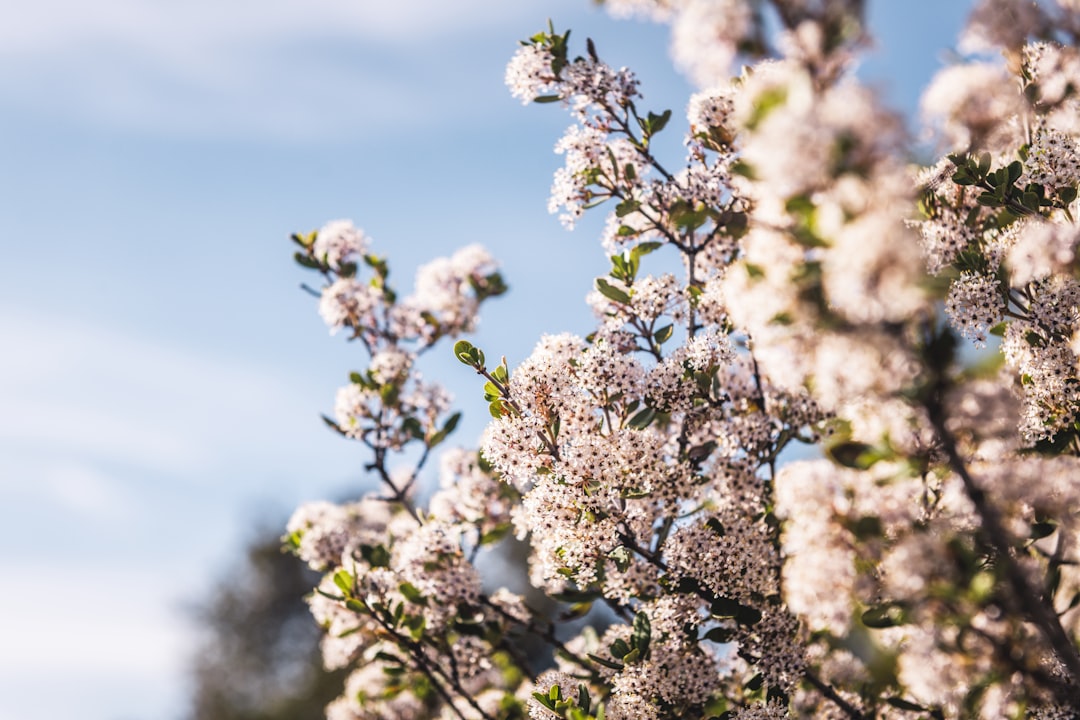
(124, 465)
(82, 640)
(84, 489)
(274, 69)
(78, 396)
(185, 30)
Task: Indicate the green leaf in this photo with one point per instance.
(544, 700)
(902, 704)
(626, 207)
(611, 292)
(963, 177)
(619, 648)
(344, 581)
(583, 700)
(1015, 170)
(1042, 529)
(542, 99)
(642, 633)
(451, 424)
(496, 534)
(306, 261)
(606, 663)
(720, 635)
(883, 616)
(375, 555)
(413, 427)
(642, 419)
(867, 527)
(621, 557)
(1067, 195)
(655, 123)
(412, 594)
(747, 616)
(851, 454)
(642, 249)
(664, 334)
(463, 351)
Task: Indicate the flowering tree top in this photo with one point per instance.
(922, 565)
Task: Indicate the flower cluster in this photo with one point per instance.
(767, 481)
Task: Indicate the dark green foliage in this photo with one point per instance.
(260, 659)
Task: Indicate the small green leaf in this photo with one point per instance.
(655, 123)
(344, 581)
(664, 334)
(721, 635)
(495, 534)
(451, 424)
(621, 557)
(306, 261)
(611, 292)
(642, 419)
(375, 555)
(883, 616)
(626, 207)
(851, 454)
(546, 98)
(605, 662)
(412, 426)
(963, 177)
(1015, 170)
(412, 594)
(583, 700)
(544, 700)
(642, 633)
(463, 351)
(1042, 529)
(902, 704)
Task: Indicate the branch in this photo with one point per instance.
(1033, 603)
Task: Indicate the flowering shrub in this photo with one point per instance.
(923, 565)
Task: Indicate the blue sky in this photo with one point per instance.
(160, 374)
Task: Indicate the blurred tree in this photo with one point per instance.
(260, 659)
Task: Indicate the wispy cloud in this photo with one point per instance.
(125, 466)
(276, 69)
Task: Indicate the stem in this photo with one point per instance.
(825, 689)
(416, 653)
(1034, 604)
(547, 634)
(821, 686)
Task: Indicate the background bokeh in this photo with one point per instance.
(161, 375)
